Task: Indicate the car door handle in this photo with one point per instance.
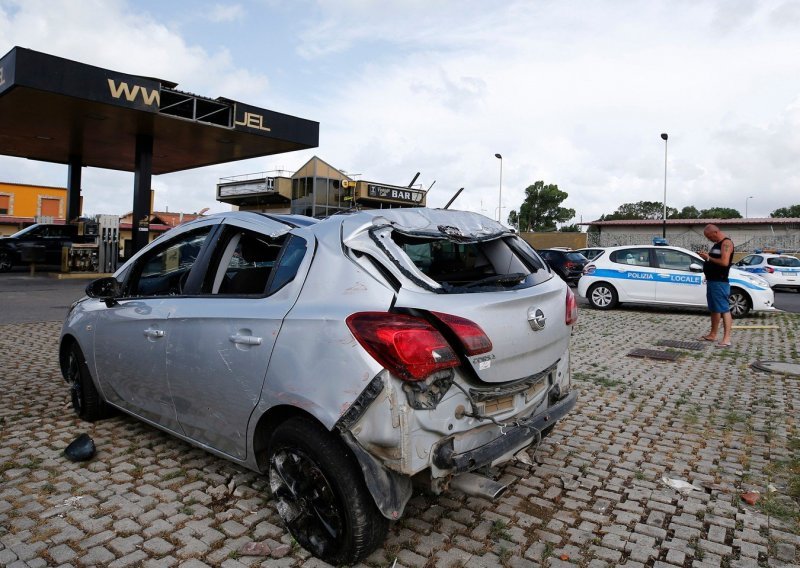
(150, 332)
(245, 339)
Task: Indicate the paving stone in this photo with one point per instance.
(158, 546)
(785, 552)
(59, 554)
(150, 500)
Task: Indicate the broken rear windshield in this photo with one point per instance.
(460, 266)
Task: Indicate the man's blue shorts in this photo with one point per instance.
(717, 296)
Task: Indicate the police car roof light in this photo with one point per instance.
(659, 241)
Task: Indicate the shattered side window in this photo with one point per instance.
(459, 265)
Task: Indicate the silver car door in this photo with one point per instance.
(131, 335)
(221, 340)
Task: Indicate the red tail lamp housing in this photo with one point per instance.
(571, 315)
(472, 337)
(410, 347)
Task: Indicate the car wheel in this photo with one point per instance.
(86, 401)
(602, 296)
(321, 494)
(739, 303)
(5, 262)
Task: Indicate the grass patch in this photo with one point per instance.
(548, 551)
(498, 531)
(602, 381)
(771, 506)
(173, 474)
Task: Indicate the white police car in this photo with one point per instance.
(651, 274)
(779, 270)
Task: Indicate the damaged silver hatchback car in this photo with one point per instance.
(340, 357)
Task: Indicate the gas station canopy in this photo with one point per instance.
(57, 110)
(53, 109)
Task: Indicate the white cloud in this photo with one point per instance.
(226, 13)
(572, 93)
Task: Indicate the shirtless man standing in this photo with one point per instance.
(717, 264)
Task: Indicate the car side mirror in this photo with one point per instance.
(694, 267)
(104, 289)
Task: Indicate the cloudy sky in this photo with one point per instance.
(575, 93)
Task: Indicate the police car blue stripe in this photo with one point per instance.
(690, 279)
(745, 284)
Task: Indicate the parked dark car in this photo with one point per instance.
(566, 263)
(40, 243)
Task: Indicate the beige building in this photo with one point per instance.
(317, 189)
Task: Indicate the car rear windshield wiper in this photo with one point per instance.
(514, 277)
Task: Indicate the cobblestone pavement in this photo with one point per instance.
(595, 498)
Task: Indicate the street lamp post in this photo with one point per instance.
(500, 196)
(664, 137)
(745, 206)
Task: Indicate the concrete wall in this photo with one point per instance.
(745, 239)
(555, 239)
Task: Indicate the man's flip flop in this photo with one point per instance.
(705, 338)
(722, 345)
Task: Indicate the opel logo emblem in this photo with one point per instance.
(536, 319)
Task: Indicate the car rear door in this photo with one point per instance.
(221, 337)
(676, 282)
(630, 270)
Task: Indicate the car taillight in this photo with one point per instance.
(769, 269)
(588, 269)
(408, 346)
(469, 333)
(572, 308)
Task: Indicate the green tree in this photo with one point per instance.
(720, 213)
(541, 209)
(573, 228)
(641, 210)
(793, 211)
(688, 212)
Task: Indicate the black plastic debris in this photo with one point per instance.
(778, 367)
(654, 354)
(80, 449)
(693, 345)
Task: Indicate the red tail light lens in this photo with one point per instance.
(408, 346)
(572, 308)
(770, 269)
(472, 337)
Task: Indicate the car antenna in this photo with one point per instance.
(449, 203)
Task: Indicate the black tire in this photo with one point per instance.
(86, 401)
(321, 494)
(602, 296)
(6, 262)
(739, 302)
